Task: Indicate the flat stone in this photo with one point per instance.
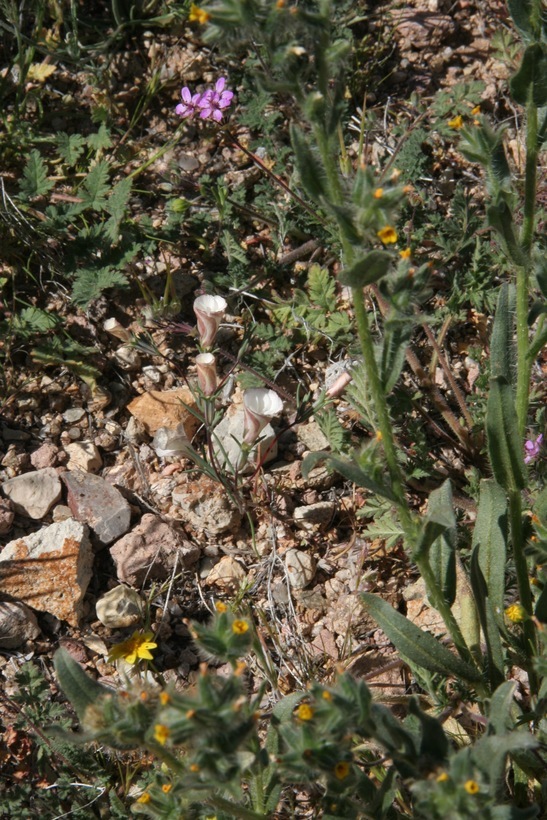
(300, 568)
(165, 408)
(83, 455)
(314, 515)
(49, 569)
(119, 608)
(151, 551)
(311, 437)
(205, 505)
(18, 624)
(33, 494)
(227, 574)
(99, 504)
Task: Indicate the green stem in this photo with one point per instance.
(523, 580)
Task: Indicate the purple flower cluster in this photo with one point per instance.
(532, 449)
(208, 105)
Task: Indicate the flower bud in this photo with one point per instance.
(210, 312)
(260, 405)
(207, 373)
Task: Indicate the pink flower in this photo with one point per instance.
(260, 405)
(532, 448)
(212, 102)
(209, 312)
(190, 104)
(207, 373)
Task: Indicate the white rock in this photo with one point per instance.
(314, 515)
(227, 575)
(120, 607)
(17, 624)
(300, 568)
(311, 437)
(128, 357)
(33, 494)
(83, 455)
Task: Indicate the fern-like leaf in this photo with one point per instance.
(35, 181)
(96, 187)
(90, 283)
(321, 288)
(70, 147)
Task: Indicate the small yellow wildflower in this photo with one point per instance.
(166, 788)
(471, 787)
(240, 627)
(304, 712)
(144, 798)
(280, 4)
(198, 15)
(405, 254)
(387, 235)
(341, 770)
(194, 767)
(221, 607)
(516, 613)
(161, 733)
(135, 648)
(456, 122)
(476, 110)
(378, 193)
(443, 777)
(191, 713)
(240, 668)
(144, 696)
(165, 698)
(326, 695)
(378, 436)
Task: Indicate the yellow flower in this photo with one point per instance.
(198, 15)
(378, 436)
(166, 788)
(326, 695)
(405, 254)
(471, 787)
(456, 122)
(220, 607)
(476, 110)
(516, 613)
(443, 777)
(161, 734)
(164, 698)
(240, 627)
(144, 798)
(304, 711)
(133, 649)
(341, 770)
(194, 767)
(378, 193)
(387, 235)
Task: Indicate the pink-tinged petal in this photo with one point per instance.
(205, 112)
(226, 99)
(217, 115)
(220, 83)
(186, 95)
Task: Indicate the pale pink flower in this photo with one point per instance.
(210, 312)
(212, 102)
(532, 448)
(190, 104)
(207, 373)
(260, 405)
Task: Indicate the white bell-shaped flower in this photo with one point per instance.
(209, 312)
(260, 405)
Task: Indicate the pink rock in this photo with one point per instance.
(151, 551)
(99, 504)
(45, 456)
(49, 570)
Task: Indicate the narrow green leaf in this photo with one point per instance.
(309, 165)
(368, 269)
(502, 343)
(490, 539)
(80, 689)
(501, 706)
(439, 518)
(418, 647)
(532, 72)
(504, 444)
(397, 335)
(489, 623)
(434, 744)
(501, 219)
(350, 470)
(520, 11)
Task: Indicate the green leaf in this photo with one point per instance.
(490, 539)
(309, 166)
(322, 288)
(504, 443)
(439, 519)
(490, 623)
(101, 140)
(434, 744)
(532, 73)
(90, 283)
(81, 690)
(502, 343)
(520, 11)
(397, 335)
(350, 470)
(500, 710)
(70, 147)
(95, 187)
(35, 181)
(418, 647)
(442, 556)
(501, 219)
(368, 269)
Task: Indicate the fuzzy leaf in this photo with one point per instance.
(101, 140)
(309, 166)
(368, 269)
(70, 147)
(439, 519)
(397, 334)
(418, 647)
(90, 283)
(81, 690)
(322, 288)
(502, 344)
(490, 539)
(95, 187)
(504, 444)
(350, 470)
(489, 620)
(532, 72)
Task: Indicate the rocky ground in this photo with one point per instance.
(99, 534)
